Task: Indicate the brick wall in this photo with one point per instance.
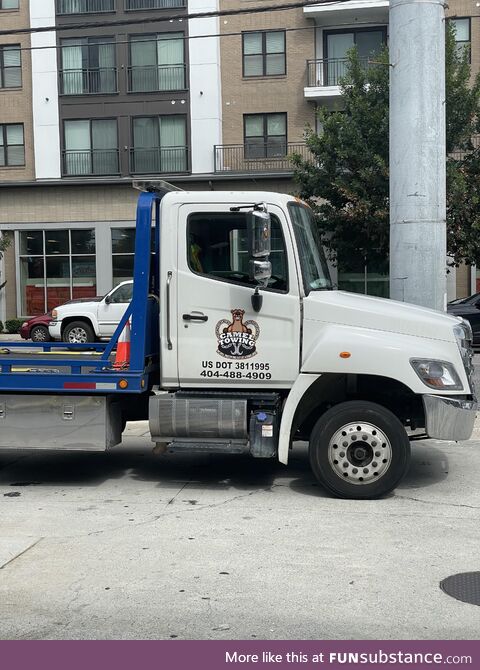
(16, 104)
(265, 94)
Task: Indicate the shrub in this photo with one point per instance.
(13, 325)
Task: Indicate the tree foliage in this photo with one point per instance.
(347, 180)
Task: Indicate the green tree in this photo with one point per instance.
(347, 180)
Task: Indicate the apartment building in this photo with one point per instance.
(279, 67)
(108, 91)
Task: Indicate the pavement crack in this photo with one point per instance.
(172, 500)
(436, 502)
(21, 553)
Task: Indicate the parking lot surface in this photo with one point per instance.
(133, 545)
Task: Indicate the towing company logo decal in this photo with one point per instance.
(237, 339)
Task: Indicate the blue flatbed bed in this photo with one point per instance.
(57, 367)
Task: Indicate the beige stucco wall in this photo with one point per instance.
(16, 104)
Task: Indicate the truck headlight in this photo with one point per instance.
(437, 374)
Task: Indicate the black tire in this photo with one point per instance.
(40, 334)
(340, 467)
(78, 332)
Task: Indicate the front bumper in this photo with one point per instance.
(55, 330)
(449, 418)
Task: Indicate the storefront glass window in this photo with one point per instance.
(56, 266)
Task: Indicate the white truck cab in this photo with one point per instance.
(348, 372)
(87, 321)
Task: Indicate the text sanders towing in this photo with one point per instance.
(239, 344)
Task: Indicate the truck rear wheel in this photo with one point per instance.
(359, 449)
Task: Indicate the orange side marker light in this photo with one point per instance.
(345, 354)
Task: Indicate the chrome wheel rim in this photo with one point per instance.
(77, 336)
(360, 453)
(39, 335)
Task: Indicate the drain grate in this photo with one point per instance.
(465, 587)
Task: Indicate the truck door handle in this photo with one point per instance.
(195, 317)
(169, 339)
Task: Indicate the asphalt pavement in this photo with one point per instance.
(131, 545)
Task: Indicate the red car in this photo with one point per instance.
(36, 328)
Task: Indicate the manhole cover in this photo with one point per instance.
(465, 587)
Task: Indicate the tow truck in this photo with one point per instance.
(240, 344)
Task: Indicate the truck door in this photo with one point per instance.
(222, 341)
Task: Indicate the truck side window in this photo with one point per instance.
(217, 247)
(122, 294)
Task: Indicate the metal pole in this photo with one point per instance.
(417, 153)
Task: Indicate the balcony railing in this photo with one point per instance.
(85, 6)
(132, 5)
(460, 154)
(270, 157)
(158, 160)
(329, 72)
(96, 162)
(81, 82)
(147, 78)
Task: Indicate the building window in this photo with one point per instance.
(88, 66)
(157, 63)
(123, 252)
(336, 46)
(85, 6)
(91, 147)
(9, 4)
(264, 53)
(265, 135)
(10, 66)
(461, 28)
(12, 145)
(56, 266)
(159, 144)
(153, 4)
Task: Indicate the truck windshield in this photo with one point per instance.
(316, 275)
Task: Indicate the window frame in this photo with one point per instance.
(465, 43)
(264, 53)
(71, 254)
(5, 145)
(9, 9)
(91, 150)
(159, 146)
(3, 68)
(233, 282)
(265, 116)
(345, 31)
(157, 37)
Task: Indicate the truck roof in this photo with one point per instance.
(230, 197)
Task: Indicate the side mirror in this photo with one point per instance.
(108, 300)
(259, 237)
(260, 270)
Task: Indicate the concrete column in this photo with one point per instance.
(417, 153)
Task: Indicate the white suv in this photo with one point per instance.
(92, 320)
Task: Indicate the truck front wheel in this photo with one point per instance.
(78, 332)
(359, 449)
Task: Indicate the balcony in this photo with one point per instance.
(93, 163)
(244, 158)
(348, 12)
(138, 5)
(150, 78)
(159, 160)
(459, 154)
(88, 82)
(324, 76)
(66, 7)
